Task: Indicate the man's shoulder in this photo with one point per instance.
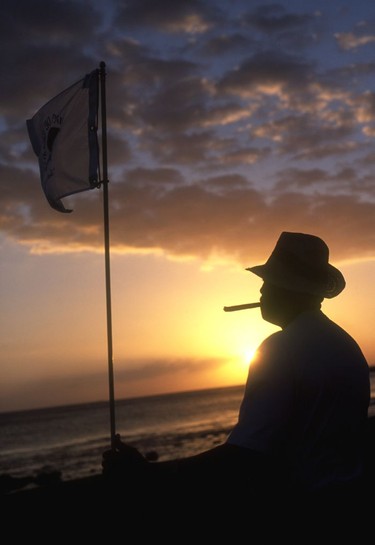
(297, 334)
(273, 345)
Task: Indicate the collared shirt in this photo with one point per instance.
(306, 401)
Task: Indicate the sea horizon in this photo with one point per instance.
(118, 399)
(146, 396)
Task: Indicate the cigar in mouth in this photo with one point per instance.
(242, 307)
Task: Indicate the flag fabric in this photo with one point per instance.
(63, 134)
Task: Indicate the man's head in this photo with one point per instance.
(279, 306)
(297, 276)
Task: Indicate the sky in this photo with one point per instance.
(228, 123)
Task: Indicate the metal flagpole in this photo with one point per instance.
(102, 73)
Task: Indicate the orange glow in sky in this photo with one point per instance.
(170, 332)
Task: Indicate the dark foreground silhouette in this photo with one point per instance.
(141, 502)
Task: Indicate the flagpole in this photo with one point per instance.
(102, 73)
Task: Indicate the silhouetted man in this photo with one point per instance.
(302, 418)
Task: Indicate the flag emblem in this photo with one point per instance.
(63, 134)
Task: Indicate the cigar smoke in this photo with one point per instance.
(242, 307)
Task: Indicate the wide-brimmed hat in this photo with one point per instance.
(299, 262)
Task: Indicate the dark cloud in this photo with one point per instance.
(190, 149)
(227, 44)
(178, 107)
(275, 18)
(48, 23)
(42, 42)
(306, 137)
(168, 15)
(266, 70)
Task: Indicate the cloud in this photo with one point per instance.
(222, 132)
(217, 216)
(348, 40)
(136, 377)
(187, 16)
(275, 21)
(157, 368)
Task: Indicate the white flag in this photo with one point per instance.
(63, 134)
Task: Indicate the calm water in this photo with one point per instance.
(71, 439)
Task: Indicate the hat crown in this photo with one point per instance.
(309, 249)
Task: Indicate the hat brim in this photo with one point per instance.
(330, 286)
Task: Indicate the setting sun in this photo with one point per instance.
(248, 357)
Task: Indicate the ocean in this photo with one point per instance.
(68, 442)
(71, 439)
